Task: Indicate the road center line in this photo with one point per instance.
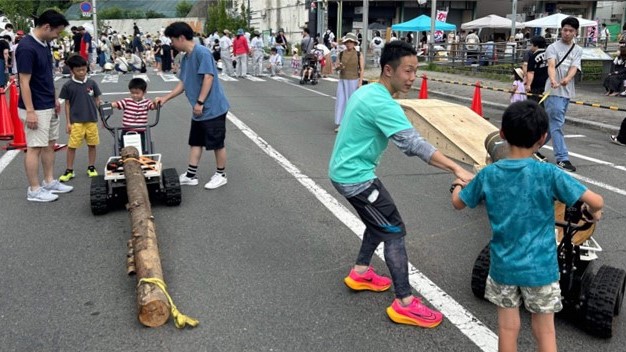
(468, 324)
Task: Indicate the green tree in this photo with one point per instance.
(21, 12)
(154, 14)
(218, 18)
(183, 8)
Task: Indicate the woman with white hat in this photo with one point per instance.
(258, 53)
(350, 65)
(225, 46)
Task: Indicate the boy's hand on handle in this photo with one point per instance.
(589, 215)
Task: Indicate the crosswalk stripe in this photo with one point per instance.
(228, 78)
(330, 79)
(142, 76)
(255, 79)
(110, 78)
(169, 77)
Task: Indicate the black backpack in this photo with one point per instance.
(143, 68)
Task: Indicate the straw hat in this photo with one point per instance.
(226, 31)
(519, 72)
(350, 37)
(257, 32)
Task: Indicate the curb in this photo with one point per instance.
(568, 120)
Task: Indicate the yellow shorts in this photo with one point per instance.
(87, 131)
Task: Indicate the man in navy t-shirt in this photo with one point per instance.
(38, 107)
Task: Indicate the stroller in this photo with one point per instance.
(309, 69)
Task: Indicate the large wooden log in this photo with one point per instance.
(153, 305)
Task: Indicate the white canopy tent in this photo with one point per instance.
(554, 21)
(491, 21)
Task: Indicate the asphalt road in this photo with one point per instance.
(260, 261)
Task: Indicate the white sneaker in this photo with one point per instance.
(56, 187)
(217, 180)
(188, 181)
(40, 195)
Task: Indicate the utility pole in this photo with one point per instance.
(95, 22)
(366, 14)
(514, 12)
(433, 18)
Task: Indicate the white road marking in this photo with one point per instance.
(6, 159)
(468, 324)
(110, 78)
(227, 78)
(169, 77)
(142, 76)
(330, 79)
(574, 136)
(593, 160)
(255, 79)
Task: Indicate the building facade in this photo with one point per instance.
(343, 16)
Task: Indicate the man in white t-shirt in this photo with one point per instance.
(604, 36)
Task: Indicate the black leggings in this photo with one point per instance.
(621, 136)
(395, 257)
(383, 223)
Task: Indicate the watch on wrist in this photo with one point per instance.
(454, 185)
(200, 102)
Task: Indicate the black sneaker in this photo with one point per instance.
(614, 140)
(566, 165)
(539, 156)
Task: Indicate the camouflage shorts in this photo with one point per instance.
(542, 299)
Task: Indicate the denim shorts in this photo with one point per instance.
(541, 299)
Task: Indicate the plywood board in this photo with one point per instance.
(457, 131)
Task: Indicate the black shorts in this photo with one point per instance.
(378, 212)
(209, 134)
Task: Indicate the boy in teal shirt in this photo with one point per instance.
(519, 194)
(371, 119)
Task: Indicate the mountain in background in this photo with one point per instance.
(139, 7)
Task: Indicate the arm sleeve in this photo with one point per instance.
(121, 104)
(64, 93)
(531, 65)
(24, 58)
(473, 193)
(576, 60)
(566, 188)
(413, 144)
(96, 90)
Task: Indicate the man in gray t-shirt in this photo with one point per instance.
(560, 86)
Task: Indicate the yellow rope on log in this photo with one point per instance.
(180, 320)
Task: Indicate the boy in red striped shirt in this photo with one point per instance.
(135, 108)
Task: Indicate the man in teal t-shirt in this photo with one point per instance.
(372, 117)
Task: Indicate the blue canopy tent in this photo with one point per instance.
(422, 23)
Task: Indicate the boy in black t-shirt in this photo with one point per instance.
(82, 96)
(537, 73)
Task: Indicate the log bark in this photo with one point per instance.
(153, 306)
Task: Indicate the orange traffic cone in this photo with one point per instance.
(6, 128)
(477, 102)
(19, 140)
(424, 88)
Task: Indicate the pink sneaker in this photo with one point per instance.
(368, 281)
(414, 314)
